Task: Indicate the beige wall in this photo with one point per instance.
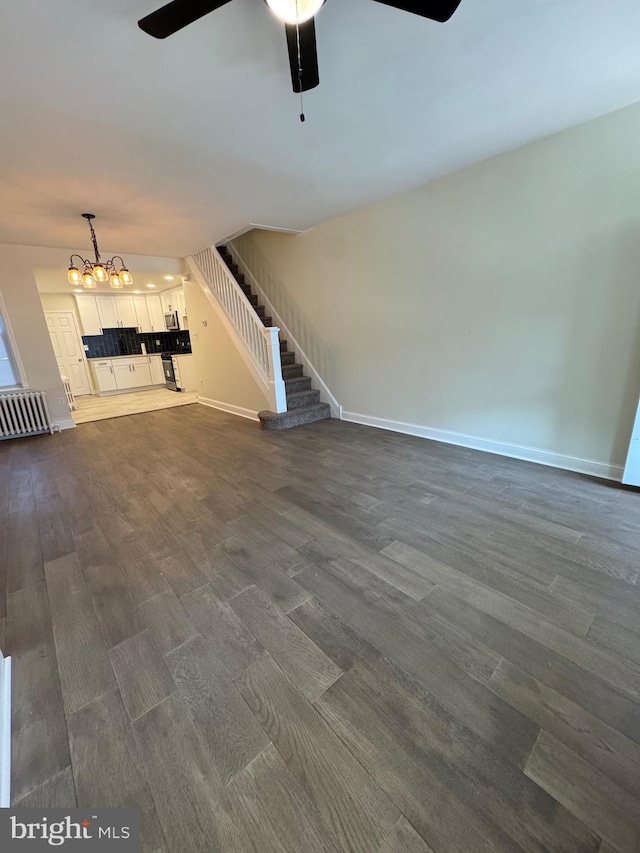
(61, 302)
(502, 302)
(222, 375)
(26, 317)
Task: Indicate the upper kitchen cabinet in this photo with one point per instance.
(156, 314)
(142, 313)
(89, 317)
(173, 301)
(117, 312)
(127, 312)
(108, 311)
(182, 309)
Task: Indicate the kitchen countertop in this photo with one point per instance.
(131, 355)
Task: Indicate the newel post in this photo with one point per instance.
(279, 393)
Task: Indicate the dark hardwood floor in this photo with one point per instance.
(329, 639)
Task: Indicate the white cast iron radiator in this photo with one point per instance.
(24, 413)
(67, 390)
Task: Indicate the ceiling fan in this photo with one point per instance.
(298, 17)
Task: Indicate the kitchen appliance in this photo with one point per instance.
(171, 321)
(170, 379)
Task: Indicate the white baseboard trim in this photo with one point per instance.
(515, 451)
(67, 423)
(5, 732)
(228, 407)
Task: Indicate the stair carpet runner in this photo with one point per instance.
(303, 402)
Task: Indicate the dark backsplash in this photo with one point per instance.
(127, 342)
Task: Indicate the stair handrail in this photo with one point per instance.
(261, 343)
(325, 392)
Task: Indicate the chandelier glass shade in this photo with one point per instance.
(91, 273)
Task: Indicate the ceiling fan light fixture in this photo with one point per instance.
(295, 11)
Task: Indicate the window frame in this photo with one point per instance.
(14, 354)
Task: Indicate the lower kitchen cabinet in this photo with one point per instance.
(157, 373)
(104, 375)
(185, 372)
(124, 374)
(125, 377)
(141, 371)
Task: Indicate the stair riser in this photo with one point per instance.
(296, 417)
(304, 399)
(291, 371)
(287, 357)
(293, 386)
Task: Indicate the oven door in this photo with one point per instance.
(169, 374)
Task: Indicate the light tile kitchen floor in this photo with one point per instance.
(99, 408)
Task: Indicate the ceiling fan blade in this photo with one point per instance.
(437, 10)
(176, 15)
(310, 77)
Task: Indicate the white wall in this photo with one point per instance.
(223, 377)
(501, 302)
(26, 315)
(61, 302)
(67, 302)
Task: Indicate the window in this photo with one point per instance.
(10, 375)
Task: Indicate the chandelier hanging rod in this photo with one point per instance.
(96, 271)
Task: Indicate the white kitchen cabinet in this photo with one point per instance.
(141, 371)
(182, 310)
(157, 373)
(104, 375)
(89, 317)
(185, 372)
(108, 312)
(117, 312)
(142, 314)
(125, 377)
(156, 314)
(123, 374)
(126, 312)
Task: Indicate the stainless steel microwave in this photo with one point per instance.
(171, 321)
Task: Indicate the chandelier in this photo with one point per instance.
(94, 272)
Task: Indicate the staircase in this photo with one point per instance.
(303, 402)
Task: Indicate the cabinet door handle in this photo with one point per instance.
(111, 369)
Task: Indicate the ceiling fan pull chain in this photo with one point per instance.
(299, 66)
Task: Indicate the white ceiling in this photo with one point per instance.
(175, 144)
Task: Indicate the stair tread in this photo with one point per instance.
(294, 417)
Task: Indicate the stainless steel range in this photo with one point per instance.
(169, 371)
